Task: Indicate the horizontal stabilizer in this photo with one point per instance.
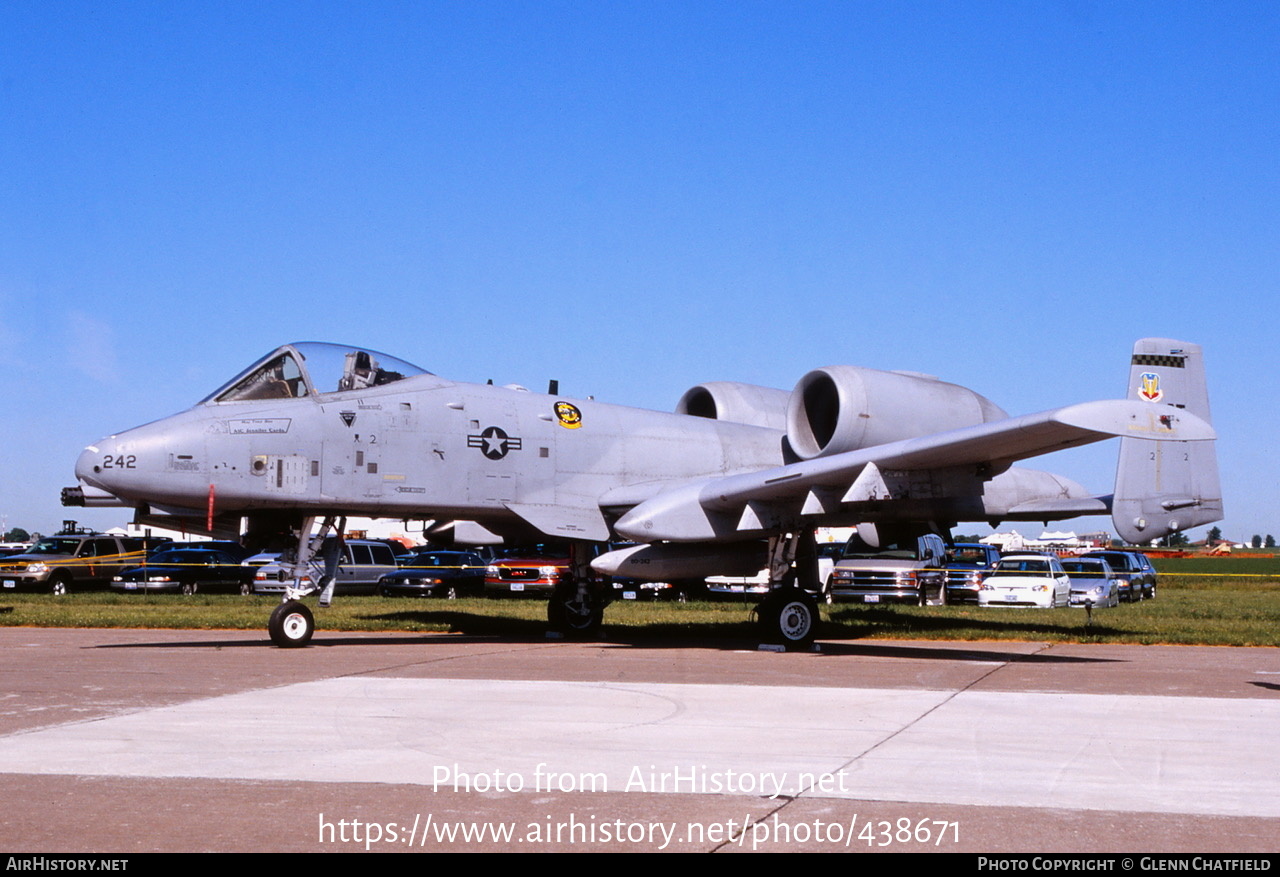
(1056, 509)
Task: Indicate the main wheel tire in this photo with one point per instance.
(450, 592)
(291, 625)
(574, 615)
(245, 589)
(189, 588)
(789, 616)
(58, 586)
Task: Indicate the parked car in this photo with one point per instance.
(635, 589)
(362, 564)
(262, 558)
(967, 565)
(227, 546)
(188, 570)
(59, 564)
(535, 569)
(446, 574)
(1136, 575)
(1026, 580)
(738, 587)
(1093, 583)
(756, 586)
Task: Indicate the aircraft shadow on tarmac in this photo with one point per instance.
(852, 623)
(998, 622)
(735, 635)
(715, 636)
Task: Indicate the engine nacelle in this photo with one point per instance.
(736, 403)
(844, 407)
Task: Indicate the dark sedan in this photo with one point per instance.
(1134, 573)
(188, 570)
(446, 574)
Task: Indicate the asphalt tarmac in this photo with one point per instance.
(120, 741)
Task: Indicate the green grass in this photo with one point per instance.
(1185, 612)
(1241, 566)
(1239, 609)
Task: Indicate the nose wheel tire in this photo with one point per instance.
(789, 616)
(291, 625)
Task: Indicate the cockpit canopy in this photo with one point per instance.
(310, 368)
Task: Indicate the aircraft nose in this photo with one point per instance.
(85, 465)
(98, 464)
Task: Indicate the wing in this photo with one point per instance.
(957, 462)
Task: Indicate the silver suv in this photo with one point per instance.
(363, 562)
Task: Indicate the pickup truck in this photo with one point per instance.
(967, 565)
(907, 569)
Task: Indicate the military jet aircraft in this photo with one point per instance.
(313, 432)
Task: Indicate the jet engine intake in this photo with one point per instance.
(736, 403)
(844, 408)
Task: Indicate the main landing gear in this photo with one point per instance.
(576, 607)
(788, 615)
(574, 611)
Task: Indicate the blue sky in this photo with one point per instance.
(633, 197)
